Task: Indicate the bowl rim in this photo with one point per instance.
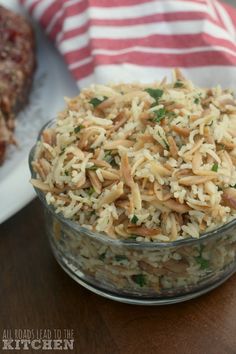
(217, 232)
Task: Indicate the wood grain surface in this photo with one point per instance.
(36, 294)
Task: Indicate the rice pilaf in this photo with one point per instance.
(149, 162)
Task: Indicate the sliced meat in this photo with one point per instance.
(17, 65)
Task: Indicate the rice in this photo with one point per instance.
(128, 159)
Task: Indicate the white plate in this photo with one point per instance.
(52, 82)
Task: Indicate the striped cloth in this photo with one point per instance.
(123, 40)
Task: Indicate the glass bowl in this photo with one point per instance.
(147, 273)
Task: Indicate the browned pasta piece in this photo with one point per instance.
(112, 195)
(176, 206)
(136, 196)
(97, 185)
(40, 185)
(125, 170)
(159, 170)
(110, 175)
(172, 146)
(229, 197)
(190, 180)
(48, 136)
(114, 145)
(181, 131)
(143, 231)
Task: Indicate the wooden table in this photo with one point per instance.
(35, 293)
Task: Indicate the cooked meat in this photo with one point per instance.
(17, 64)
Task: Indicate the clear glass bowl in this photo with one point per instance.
(148, 273)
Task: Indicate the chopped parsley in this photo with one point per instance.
(78, 129)
(159, 115)
(120, 258)
(197, 100)
(109, 158)
(67, 173)
(164, 142)
(95, 101)
(134, 219)
(178, 84)
(215, 167)
(139, 279)
(132, 238)
(204, 263)
(92, 168)
(171, 114)
(91, 190)
(155, 93)
(62, 151)
(162, 113)
(102, 256)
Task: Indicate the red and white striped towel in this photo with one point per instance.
(127, 40)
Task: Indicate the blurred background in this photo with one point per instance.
(232, 2)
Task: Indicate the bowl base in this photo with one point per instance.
(77, 276)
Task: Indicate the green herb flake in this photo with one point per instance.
(154, 93)
(215, 167)
(197, 100)
(120, 258)
(92, 168)
(164, 142)
(67, 173)
(159, 115)
(132, 238)
(204, 263)
(134, 219)
(102, 256)
(171, 114)
(78, 129)
(178, 84)
(109, 158)
(62, 151)
(166, 145)
(139, 279)
(95, 101)
(201, 248)
(91, 190)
